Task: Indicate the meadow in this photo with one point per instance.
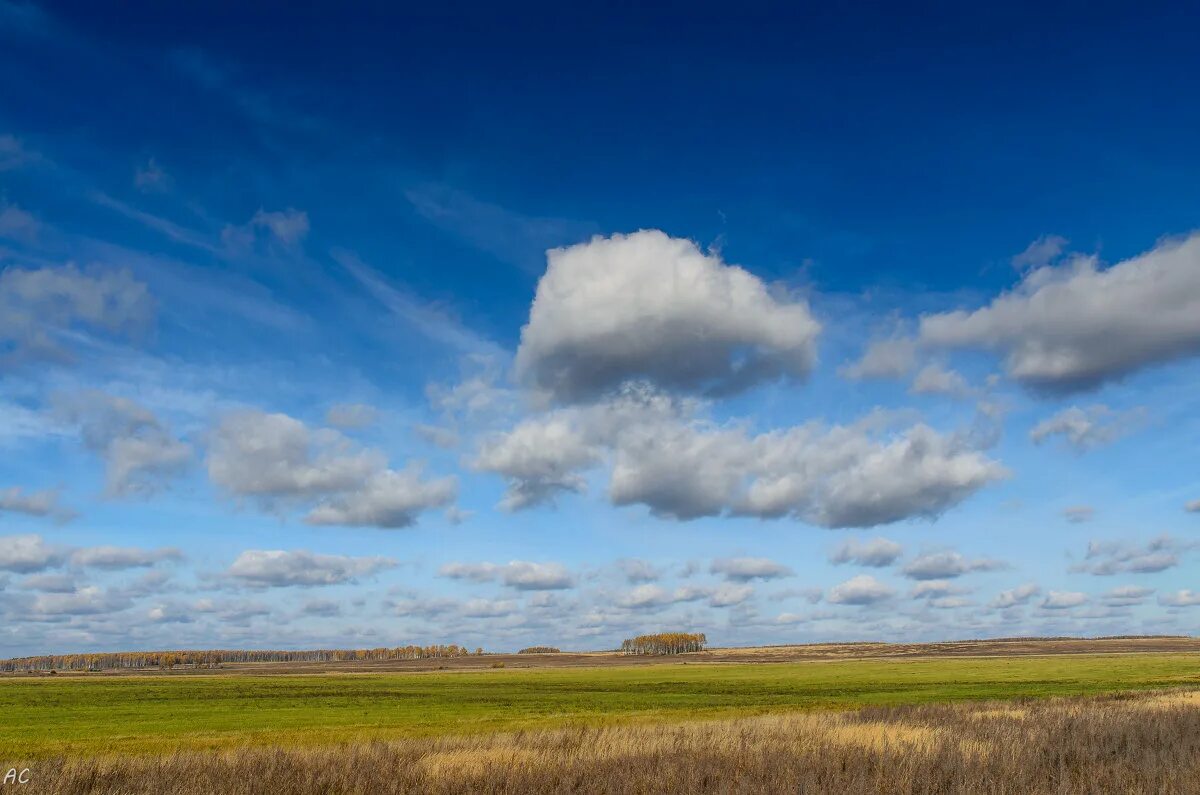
(94, 715)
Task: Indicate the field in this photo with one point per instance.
(557, 714)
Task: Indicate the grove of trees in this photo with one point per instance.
(665, 643)
(540, 650)
(212, 658)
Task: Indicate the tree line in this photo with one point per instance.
(540, 650)
(212, 658)
(665, 643)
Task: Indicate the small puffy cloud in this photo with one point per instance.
(274, 568)
(1078, 514)
(861, 590)
(1074, 326)
(1106, 558)
(644, 596)
(933, 379)
(276, 459)
(539, 458)
(114, 558)
(1182, 598)
(1192, 507)
(26, 554)
(876, 553)
(388, 499)
(34, 503)
(1063, 600)
(437, 435)
(351, 416)
(887, 358)
(746, 569)
(728, 595)
(1127, 595)
(139, 451)
(522, 575)
(946, 565)
(648, 307)
(256, 454)
(638, 571)
(40, 307)
(1015, 597)
(1085, 429)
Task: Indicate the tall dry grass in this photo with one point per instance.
(1118, 744)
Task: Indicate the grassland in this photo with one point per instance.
(1134, 743)
(88, 716)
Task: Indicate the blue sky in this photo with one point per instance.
(542, 328)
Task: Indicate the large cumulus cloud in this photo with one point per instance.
(1074, 326)
(646, 306)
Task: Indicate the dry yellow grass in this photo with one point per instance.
(1121, 744)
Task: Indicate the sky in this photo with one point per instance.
(529, 326)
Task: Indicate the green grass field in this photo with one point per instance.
(99, 715)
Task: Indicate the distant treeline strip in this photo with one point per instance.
(665, 643)
(540, 650)
(211, 658)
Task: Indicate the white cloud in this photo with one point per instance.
(861, 590)
(522, 575)
(1192, 507)
(1127, 595)
(270, 568)
(26, 554)
(256, 454)
(1106, 558)
(34, 503)
(1016, 596)
(90, 600)
(388, 499)
(39, 307)
(877, 553)
(1074, 326)
(638, 571)
(276, 459)
(934, 379)
(1086, 428)
(139, 451)
(113, 558)
(886, 358)
(643, 596)
(728, 595)
(539, 458)
(1063, 600)
(746, 569)
(646, 306)
(1181, 598)
(946, 565)
(680, 466)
